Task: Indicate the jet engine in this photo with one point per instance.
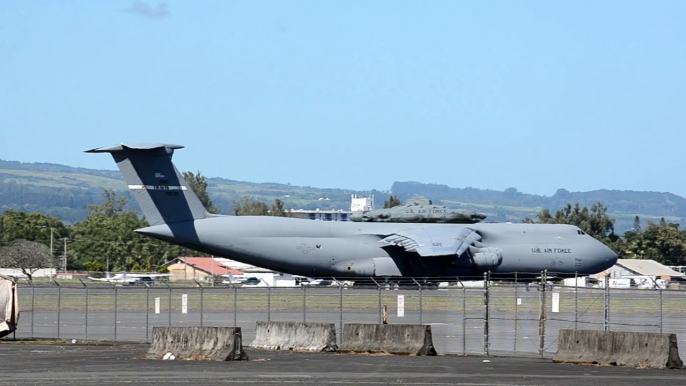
(487, 257)
(377, 266)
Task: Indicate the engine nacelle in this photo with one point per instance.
(362, 267)
(377, 266)
(486, 258)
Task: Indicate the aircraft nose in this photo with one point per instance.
(605, 256)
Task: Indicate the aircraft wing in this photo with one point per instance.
(434, 241)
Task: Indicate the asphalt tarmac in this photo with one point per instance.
(105, 364)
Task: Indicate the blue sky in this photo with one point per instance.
(538, 95)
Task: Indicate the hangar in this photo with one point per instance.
(643, 273)
(639, 267)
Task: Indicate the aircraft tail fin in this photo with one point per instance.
(158, 187)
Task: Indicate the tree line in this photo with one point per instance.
(662, 241)
(106, 241)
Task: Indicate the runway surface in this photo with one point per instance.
(52, 364)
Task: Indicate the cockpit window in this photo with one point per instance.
(579, 231)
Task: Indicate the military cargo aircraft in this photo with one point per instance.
(353, 249)
(418, 210)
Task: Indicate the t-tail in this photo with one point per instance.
(161, 191)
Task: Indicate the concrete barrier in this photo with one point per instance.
(619, 348)
(398, 339)
(295, 336)
(197, 343)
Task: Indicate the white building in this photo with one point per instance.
(17, 273)
(361, 203)
(357, 204)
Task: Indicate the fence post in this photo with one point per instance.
(33, 303)
(576, 300)
(486, 313)
(235, 306)
(464, 320)
(421, 306)
(380, 311)
(86, 312)
(419, 286)
(59, 307)
(340, 314)
(202, 306)
(542, 314)
(269, 304)
(378, 287)
(606, 317)
(170, 305)
(147, 313)
(304, 304)
(661, 314)
(87, 307)
(516, 311)
(116, 291)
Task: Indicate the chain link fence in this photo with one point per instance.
(481, 317)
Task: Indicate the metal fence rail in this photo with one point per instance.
(484, 318)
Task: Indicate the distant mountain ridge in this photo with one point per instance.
(65, 192)
(624, 201)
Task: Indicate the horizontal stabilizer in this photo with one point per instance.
(133, 147)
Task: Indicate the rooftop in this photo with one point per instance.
(209, 265)
(243, 267)
(648, 268)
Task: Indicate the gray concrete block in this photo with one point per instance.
(295, 336)
(398, 339)
(197, 343)
(619, 348)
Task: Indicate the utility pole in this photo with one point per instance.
(52, 249)
(65, 253)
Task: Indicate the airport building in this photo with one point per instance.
(227, 271)
(640, 267)
(322, 215)
(357, 204)
(639, 273)
(201, 269)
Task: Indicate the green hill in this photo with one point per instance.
(65, 192)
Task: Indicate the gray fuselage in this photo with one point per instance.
(319, 248)
(361, 249)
